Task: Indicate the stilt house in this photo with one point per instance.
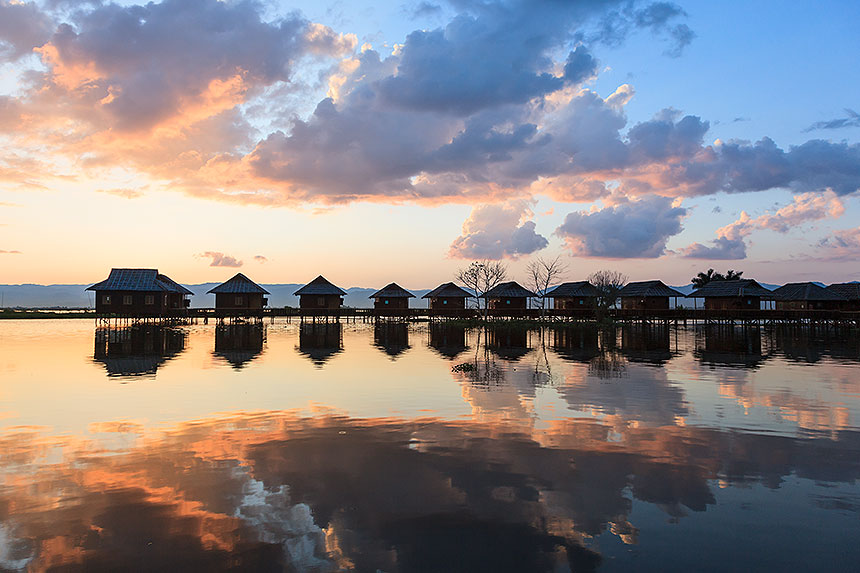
(743, 294)
(239, 293)
(391, 297)
(447, 296)
(320, 294)
(139, 292)
(807, 296)
(646, 295)
(570, 296)
(508, 296)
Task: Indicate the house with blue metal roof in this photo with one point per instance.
(238, 294)
(139, 292)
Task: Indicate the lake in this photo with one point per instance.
(427, 447)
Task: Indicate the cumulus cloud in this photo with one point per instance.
(124, 193)
(852, 120)
(804, 208)
(631, 229)
(498, 231)
(219, 259)
(261, 259)
(23, 26)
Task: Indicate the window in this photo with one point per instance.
(320, 301)
(507, 301)
(127, 299)
(581, 301)
(240, 301)
(386, 301)
(444, 300)
(149, 299)
(106, 299)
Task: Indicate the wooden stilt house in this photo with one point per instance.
(851, 293)
(238, 294)
(391, 297)
(139, 292)
(647, 295)
(508, 296)
(572, 296)
(743, 294)
(807, 296)
(320, 294)
(447, 296)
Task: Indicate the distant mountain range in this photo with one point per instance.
(75, 296)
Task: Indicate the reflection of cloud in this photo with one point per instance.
(278, 489)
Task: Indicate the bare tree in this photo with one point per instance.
(543, 274)
(481, 276)
(608, 283)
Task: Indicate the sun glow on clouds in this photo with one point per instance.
(491, 109)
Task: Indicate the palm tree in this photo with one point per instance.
(702, 279)
(733, 276)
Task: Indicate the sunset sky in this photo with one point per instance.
(396, 140)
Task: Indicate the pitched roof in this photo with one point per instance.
(742, 287)
(851, 291)
(239, 284)
(147, 280)
(647, 288)
(319, 286)
(448, 290)
(392, 290)
(509, 289)
(575, 289)
(805, 291)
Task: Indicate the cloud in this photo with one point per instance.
(23, 26)
(843, 245)
(853, 120)
(804, 208)
(2, 252)
(219, 259)
(631, 229)
(497, 231)
(261, 259)
(124, 193)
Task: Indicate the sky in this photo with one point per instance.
(399, 140)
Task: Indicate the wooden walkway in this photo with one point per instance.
(672, 316)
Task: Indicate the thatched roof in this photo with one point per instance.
(851, 291)
(805, 291)
(392, 290)
(742, 287)
(510, 289)
(579, 289)
(144, 280)
(447, 290)
(319, 286)
(239, 284)
(647, 289)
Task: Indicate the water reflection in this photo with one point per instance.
(449, 340)
(576, 343)
(320, 341)
(391, 337)
(239, 344)
(730, 345)
(136, 351)
(507, 342)
(810, 343)
(649, 343)
(281, 491)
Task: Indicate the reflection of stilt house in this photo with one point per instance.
(139, 292)
(647, 343)
(729, 345)
(807, 296)
(391, 297)
(508, 343)
(319, 294)
(447, 296)
(239, 344)
(572, 296)
(576, 344)
(320, 341)
(136, 350)
(391, 337)
(743, 294)
(239, 294)
(647, 295)
(851, 293)
(449, 340)
(508, 296)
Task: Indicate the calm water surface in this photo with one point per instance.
(425, 448)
